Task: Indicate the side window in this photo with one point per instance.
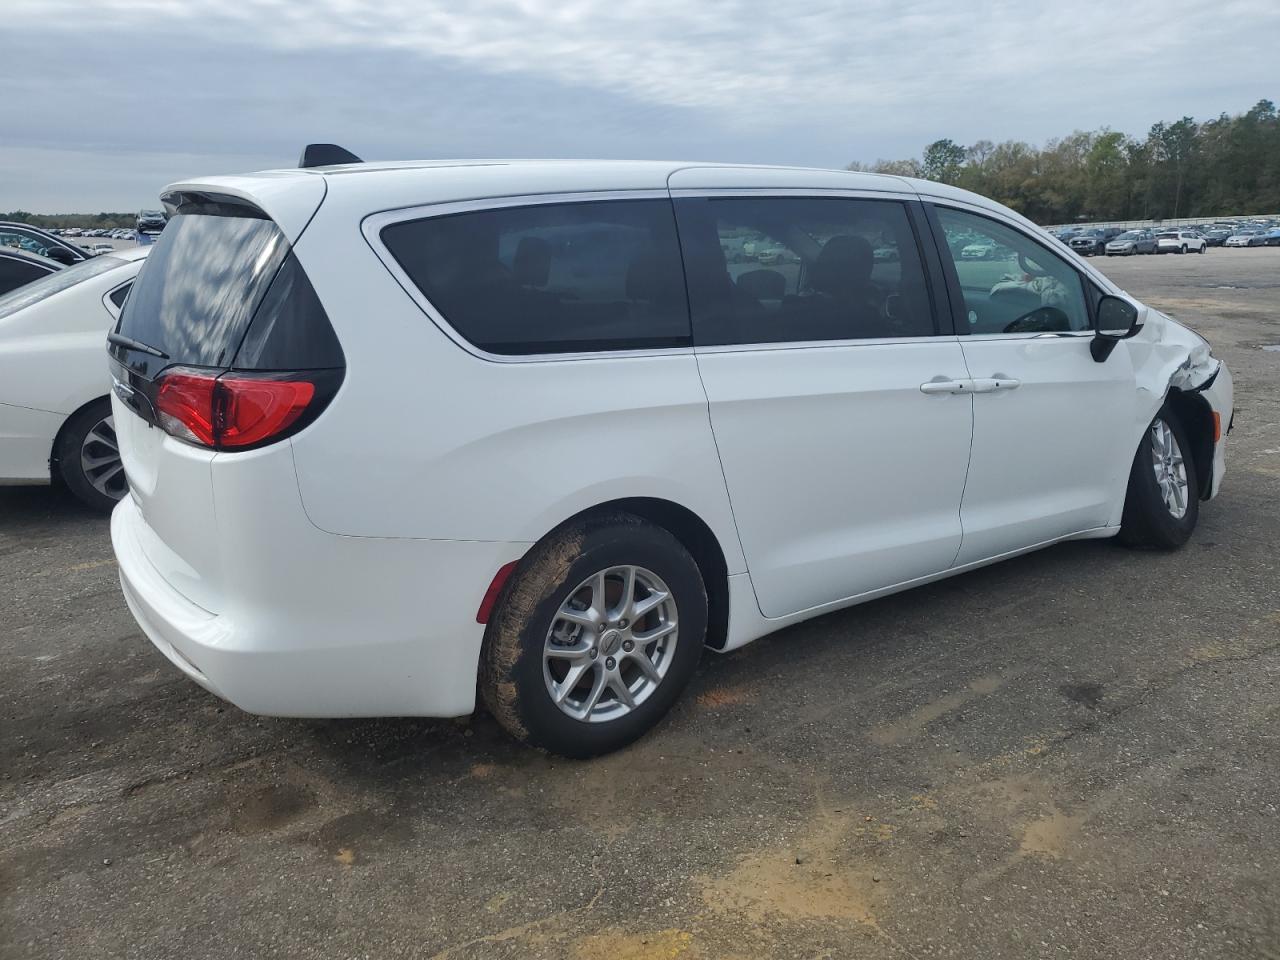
(118, 295)
(16, 273)
(556, 278)
(1010, 283)
(21, 241)
(797, 269)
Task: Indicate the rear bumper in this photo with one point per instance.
(355, 627)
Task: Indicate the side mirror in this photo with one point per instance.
(62, 255)
(1117, 320)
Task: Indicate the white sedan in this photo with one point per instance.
(55, 415)
(1180, 241)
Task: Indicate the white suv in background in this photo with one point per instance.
(1180, 241)
(394, 429)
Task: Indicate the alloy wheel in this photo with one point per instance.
(610, 644)
(1170, 469)
(100, 460)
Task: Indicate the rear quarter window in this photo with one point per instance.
(551, 278)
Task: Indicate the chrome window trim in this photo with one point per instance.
(372, 225)
(822, 344)
(109, 303)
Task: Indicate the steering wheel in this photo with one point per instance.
(1029, 270)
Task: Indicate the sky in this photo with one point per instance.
(106, 101)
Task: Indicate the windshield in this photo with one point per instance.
(56, 282)
(1129, 235)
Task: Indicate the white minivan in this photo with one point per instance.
(398, 433)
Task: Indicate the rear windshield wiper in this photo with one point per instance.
(120, 340)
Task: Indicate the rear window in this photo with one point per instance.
(555, 278)
(196, 294)
(222, 288)
(55, 282)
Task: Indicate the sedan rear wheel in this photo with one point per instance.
(88, 457)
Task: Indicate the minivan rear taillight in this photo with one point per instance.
(237, 410)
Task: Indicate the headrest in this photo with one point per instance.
(843, 263)
(762, 284)
(532, 264)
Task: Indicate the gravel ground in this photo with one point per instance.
(1073, 754)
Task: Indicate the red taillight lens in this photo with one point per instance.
(184, 407)
(231, 411)
(251, 411)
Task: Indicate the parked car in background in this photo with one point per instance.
(1180, 241)
(978, 250)
(1248, 237)
(501, 426)
(1131, 242)
(55, 418)
(35, 240)
(1217, 236)
(1272, 237)
(150, 221)
(1089, 242)
(19, 267)
(98, 249)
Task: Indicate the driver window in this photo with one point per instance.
(802, 269)
(1010, 283)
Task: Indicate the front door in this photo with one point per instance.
(1051, 430)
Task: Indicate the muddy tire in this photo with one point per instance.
(1162, 503)
(594, 637)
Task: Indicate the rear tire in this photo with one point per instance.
(557, 658)
(88, 459)
(1162, 503)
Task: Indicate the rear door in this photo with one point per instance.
(1050, 424)
(837, 403)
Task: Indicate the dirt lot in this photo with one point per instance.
(1073, 754)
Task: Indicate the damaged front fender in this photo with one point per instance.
(1173, 364)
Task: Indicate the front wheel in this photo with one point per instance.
(88, 457)
(1162, 503)
(1204, 247)
(1183, 249)
(595, 637)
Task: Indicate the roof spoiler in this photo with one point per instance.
(325, 154)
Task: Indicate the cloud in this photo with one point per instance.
(198, 86)
(741, 58)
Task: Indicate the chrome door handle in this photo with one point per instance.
(994, 384)
(947, 386)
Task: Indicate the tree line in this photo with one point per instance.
(1222, 167)
(89, 221)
